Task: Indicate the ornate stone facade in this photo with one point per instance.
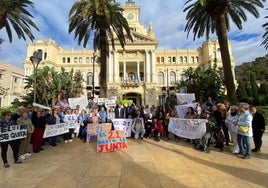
(141, 72)
(11, 84)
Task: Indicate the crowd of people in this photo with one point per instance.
(225, 124)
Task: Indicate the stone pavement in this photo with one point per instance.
(145, 163)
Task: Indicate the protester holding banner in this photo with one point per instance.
(170, 114)
(71, 119)
(190, 114)
(138, 127)
(24, 150)
(14, 144)
(39, 122)
(53, 119)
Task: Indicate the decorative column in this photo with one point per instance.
(147, 67)
(115, 68)
(138, 72)
(152, 66)
(124, 71)
(109, 68)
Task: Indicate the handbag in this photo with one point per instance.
(243, 129)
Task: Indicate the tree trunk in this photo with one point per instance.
(103, 64)
(226, 60)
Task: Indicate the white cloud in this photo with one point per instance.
(168, 18)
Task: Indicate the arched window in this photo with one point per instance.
(172, 77)
(161, 78)
(90, 78)
(131, 76)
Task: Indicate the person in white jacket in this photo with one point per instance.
(138, 127)
(231, 122)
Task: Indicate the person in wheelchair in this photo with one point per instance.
(204, 143)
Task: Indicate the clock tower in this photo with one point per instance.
(131, 11)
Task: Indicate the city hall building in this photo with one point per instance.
(140, 72)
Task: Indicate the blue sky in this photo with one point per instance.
(168, 18)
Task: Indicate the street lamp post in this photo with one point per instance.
(93, 59)
(36, 59)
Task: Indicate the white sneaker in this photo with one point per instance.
(27, 155)
(66, 141)
(71, 140)
(21, 157)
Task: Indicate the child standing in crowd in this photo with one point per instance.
(25, 142)
(14, 144)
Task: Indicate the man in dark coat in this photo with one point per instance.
(258, 127)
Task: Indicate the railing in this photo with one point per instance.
(131, 83)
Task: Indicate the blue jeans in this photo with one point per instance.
(242, 142)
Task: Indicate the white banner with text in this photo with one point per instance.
(187, 128)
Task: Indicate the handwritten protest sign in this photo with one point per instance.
(71, 120)
(111, 141)
(56, 129)
(95, 128)
(12, 132)
(124, 125)
(185, 98)
(81, 101)
(110, 103)
(187, 128)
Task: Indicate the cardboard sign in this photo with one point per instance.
(111, 141)
(94, 129)
(56, 129)
(12, 132)
(81, 101)
(123, 124)
(185, 98)
(71, 120)
(187, 128)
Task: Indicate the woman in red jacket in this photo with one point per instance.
(157, 129)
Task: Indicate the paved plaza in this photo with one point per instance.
(145, 163)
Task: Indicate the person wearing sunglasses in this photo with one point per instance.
(14, 144)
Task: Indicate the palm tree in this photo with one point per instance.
(103, 19)
(205, 16)
(265, 35)
(16, 14)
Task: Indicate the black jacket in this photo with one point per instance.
(258, 122)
